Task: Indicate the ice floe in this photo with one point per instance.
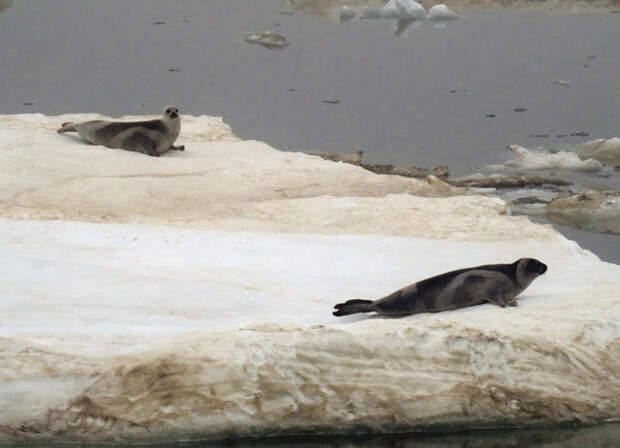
(606, 151)
(598, 211)
(178, 310)
(530, 160)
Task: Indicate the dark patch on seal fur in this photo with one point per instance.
(439, 281)
(475, 286)
(139, 142)
(107, 132)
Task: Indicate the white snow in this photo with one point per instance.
(152, 299)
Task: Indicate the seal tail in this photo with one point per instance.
(354, 306)
(67, 126)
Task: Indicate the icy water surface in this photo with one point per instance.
(606, 436)
(456, 95)
(417, 100)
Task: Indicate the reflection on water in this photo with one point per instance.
(606, 436)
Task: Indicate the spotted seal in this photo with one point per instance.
(495, 283)
(152, 137)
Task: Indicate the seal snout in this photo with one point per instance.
(542, 268)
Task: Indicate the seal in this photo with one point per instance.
(153, 137)
(495, 283)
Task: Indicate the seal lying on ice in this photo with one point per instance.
(494, 283)
(153, 137)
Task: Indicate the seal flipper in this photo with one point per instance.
(354, 306)
(67, 126)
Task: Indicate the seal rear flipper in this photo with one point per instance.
(354, 306)
(67, 126)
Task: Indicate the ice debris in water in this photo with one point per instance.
(532, 160)
(267, 39)
(441, 12)
(346, 13)
(606, 151)
(407, 9)
(598, 211)
(396, 9)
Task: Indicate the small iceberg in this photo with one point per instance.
(267, 39)
(441, 12)
(598, 211)
(606, 151)
(408, 14)
(531, 160)
(396, 9)
(408, 9)
(440, 15)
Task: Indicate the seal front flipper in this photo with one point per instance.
(354, 306)
(177, 148)
(498, 298)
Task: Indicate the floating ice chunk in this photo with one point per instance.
(531, 160)
(606, 151)
(441, 12)
(267, 39)
(598, 211)
(440, 15)
(396, 9)
(561, 82)
(346, 13)
(407, 9)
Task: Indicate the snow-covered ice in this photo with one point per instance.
(152, 299)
